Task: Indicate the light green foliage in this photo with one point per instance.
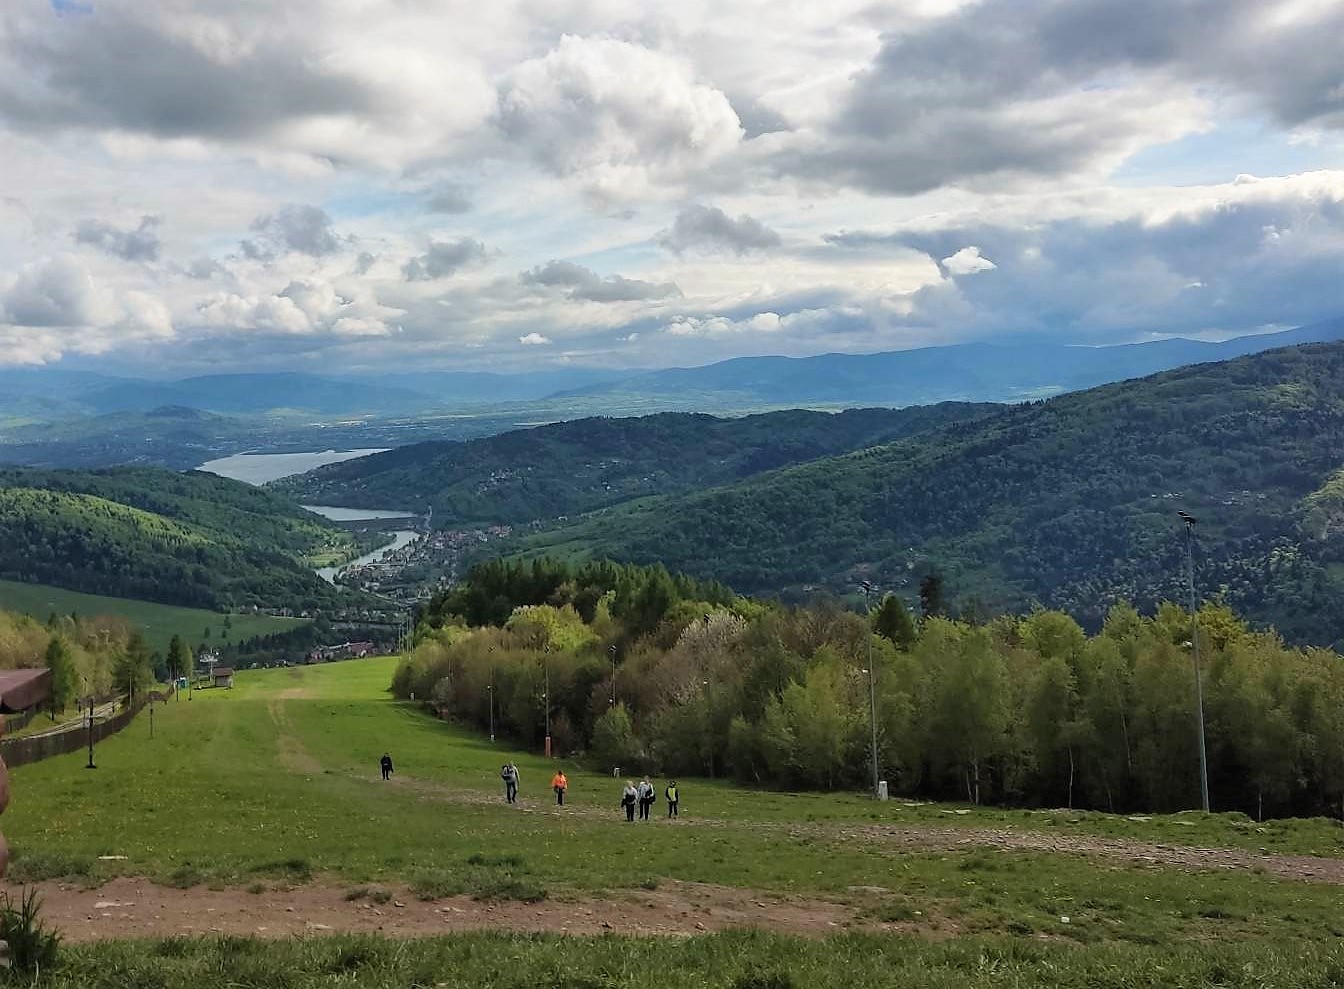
(614, 742)
(552, 629)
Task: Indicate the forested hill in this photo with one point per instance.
(192, 539)
(1070, 502)
(572, 467)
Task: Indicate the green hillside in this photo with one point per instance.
(573, 467)
(1070, 502)
(157, 622)
(186, 539)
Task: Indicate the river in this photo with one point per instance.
(258, 468)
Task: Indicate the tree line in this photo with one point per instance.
(1020, 710)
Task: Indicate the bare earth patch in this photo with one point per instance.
(135, 908)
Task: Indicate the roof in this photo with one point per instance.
(22, 689)
(223, 671)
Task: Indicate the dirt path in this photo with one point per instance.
(293, 756)
(133, 908)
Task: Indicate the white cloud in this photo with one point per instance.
(534, 340)
(967, 261)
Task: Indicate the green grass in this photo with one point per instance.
(735, 960)
(277, 779)
(158, 622)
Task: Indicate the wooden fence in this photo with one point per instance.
(33, 748)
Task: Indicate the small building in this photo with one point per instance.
(24, 690)
(222, 676)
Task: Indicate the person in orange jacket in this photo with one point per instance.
(559, 784)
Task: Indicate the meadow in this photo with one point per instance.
(275, 783)
(158, 622)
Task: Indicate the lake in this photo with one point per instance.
(258, 468)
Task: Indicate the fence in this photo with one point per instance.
(33, 748)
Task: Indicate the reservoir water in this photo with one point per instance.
(258, 468)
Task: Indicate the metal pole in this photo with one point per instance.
(490, 691)
(546, 696)
(1199, 683)
(151, 717)
(91, 765)
(612, 702)
(872, 689)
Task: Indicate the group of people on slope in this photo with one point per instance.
(509, 774)
(644, 797)
(641, 796)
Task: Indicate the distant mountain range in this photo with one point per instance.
(1070, 502)
(974, 372)
(971, 372)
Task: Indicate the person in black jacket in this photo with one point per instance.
(386, 763)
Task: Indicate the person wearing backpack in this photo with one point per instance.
(509, 774)
(385, 763)
(672, 798)
(646, 798)
(629, 796)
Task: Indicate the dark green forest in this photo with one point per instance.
(1068, 503)
(573, 467)
(191, 539)
(659, 673)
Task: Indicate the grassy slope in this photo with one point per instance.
(159, 622)
(1069, 502)
(278, 777)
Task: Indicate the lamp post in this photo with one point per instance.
(872, 689)
(91, 709)
(546, 702)
(490, 694)
(1190, 523)
(612, 650)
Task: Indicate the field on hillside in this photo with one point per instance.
(159, 622)
(253, 801)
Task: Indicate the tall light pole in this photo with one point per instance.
(612, 702)
(546, 700)
(872, 689)
(490, 694)
(1190, 522)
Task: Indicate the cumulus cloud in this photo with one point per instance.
(138, 244)
(444, 258)
(708, 228)
(1009, 88)
(54, 306)
(616, 113)
(584, 283)
(1259, 254)
(534, 340)
(302, 228)
(967, 261)
(304, 307)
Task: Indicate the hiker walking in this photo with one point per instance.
(629, 797)
(559, 784)
(386, 763)
(509, 774)
(646, 798)
(672, 798)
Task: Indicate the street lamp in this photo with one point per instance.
(612, 650)
(1190, 523)
(546, 700)
(872, 689)
(490, 694)
(91, 764)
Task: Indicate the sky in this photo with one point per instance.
(190, 186)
